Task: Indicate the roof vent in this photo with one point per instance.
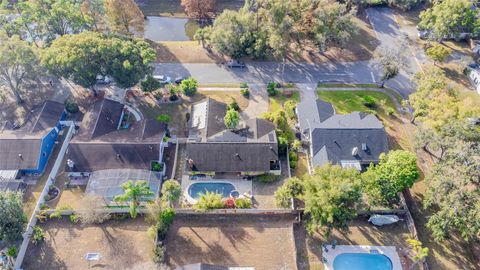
(118, 156)
(20, 156)
(364, 146)
(354, 151)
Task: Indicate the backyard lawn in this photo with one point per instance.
(309, 247)
(122, 244)
(263, 242)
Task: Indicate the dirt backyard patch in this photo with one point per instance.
(121, 244)
(247, 240)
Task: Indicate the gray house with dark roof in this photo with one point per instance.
(351, 140)
(211, 148)
(27, 149)
(111, 137)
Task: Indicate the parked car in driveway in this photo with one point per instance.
(163, 78)
(235, 64)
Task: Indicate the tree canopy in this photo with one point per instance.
(12, 217)
(396, 171)
(450, 18)
(330, 197)
(133, 192)
(231, 119)
(83, 56)
(265, 27)
(438, 52)
(44, 20)
(19, 63)
(124, 17)
(199, 9)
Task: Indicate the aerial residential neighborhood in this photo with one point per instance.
(240, 134)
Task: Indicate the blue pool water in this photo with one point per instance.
(361, 261)
(196, 189)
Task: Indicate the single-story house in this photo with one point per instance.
(27, 149)
(251, 149)
(351, 140)
(113, 135)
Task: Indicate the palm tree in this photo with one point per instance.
(132, 192)
(171, 191)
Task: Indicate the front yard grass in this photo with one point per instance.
(350, 101)
(178, 112)
(276, 102)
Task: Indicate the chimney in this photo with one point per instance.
(118, 156)
(364, 146)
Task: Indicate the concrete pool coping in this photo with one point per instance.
(389, 251)
(241, 185)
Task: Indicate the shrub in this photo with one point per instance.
(243, 85)
(290, 106)
(189, 86)
(71, 106)
(158, 95)
(293, 158)
(296, 145)
(152, 231)
(167, 215)
(157, 167)
(243, 203)
(57, 213)
(245, 92)
(209, 200)
(171, 191)
(233, 106)
(369, 101)
(12, 252)
(292, 188)
(159, 254)
(390, 111)
(229, 203)
(164, 118)
(268, 178)
(74, 218)
(272, 89)
(38, 234)
(282, 144)
(150, 84)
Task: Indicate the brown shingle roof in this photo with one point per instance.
(49, 116)
(19, 153)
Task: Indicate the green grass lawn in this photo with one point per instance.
(276, 102)
(350, 101)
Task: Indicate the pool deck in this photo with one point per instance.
(389, 251)
(241, 185)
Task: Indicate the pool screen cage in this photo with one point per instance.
(106, 183)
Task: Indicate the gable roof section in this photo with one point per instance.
(354, 120)
(102, 119)
(93, 156)
(49, 116)
(207, 118)
(232, 157)
(335, 145)
(19, 153)
(313, 112)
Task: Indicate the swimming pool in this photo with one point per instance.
(362, 261)
(195, 190)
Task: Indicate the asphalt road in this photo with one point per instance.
(387, 31)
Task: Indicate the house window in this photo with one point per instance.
(351, 164)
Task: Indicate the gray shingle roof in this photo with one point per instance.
(335, 145)
(354, 120)
(312, 112)
(49, 116)
(108, 117)
(232, 157)
(93, 156)
(19, 153)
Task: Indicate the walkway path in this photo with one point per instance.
(257, 103)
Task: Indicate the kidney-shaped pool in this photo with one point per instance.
(195, 190)
(362, 261)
